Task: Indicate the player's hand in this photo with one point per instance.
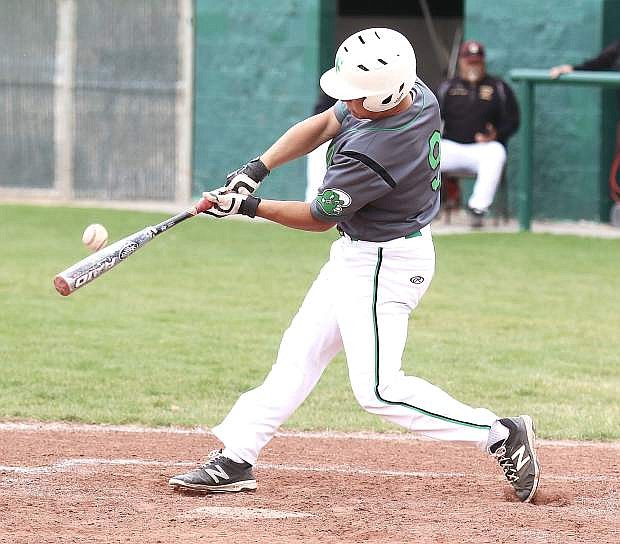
(489, 136)
(247, 179)
(225, 204)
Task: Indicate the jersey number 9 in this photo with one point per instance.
(434, 155)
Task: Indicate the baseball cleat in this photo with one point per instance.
(218, 475)
(517, 456)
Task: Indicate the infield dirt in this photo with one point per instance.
(64, 483)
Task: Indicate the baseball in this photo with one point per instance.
(95, 237)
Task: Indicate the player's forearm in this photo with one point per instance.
(292, 214)
(301, 138)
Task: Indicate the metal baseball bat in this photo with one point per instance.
(93, 266)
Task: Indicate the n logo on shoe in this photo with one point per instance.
(217, 473)
(520, 462)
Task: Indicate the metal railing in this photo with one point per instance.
(528, 79)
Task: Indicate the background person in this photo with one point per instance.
(382, 191)
(607, 59)
(480, 113)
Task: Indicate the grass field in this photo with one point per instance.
(515, 322)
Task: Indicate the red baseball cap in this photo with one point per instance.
(471, 49)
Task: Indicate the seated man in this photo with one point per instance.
(479, 113)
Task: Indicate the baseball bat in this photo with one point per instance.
(93, 266)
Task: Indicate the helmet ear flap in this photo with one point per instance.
(383, 103)
(376, 103)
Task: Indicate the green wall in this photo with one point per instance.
(257, 67)
(256, 73)
(574, 128)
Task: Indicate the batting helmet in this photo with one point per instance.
(377, 64)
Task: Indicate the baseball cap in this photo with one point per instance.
(471, 49)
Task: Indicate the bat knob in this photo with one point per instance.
(203, 205)
(62, 286)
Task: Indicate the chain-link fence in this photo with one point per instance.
(96, 99)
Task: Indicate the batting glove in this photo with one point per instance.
(225, 204)
(247, 179)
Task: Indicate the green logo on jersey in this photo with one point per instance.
(333, 201)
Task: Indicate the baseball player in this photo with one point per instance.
(381, 191)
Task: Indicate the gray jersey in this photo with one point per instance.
(383, 177)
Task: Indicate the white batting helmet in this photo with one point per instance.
(377, 64)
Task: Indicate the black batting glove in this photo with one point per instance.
(246, 180)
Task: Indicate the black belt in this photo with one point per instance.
(413, 234)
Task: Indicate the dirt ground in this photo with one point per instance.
(70, 483)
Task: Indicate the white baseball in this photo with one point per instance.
(95, 237)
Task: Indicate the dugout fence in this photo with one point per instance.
(97, 100)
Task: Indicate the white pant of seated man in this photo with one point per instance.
(360, 302)
(316, 166)
(486, 160)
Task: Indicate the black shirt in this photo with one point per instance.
(608, 59)
(467, 107)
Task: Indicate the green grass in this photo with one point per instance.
(514, 322)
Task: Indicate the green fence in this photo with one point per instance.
(528, 80)
(574, 125)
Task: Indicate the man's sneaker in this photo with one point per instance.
(218, 475)
(477, 217)
(517, 456)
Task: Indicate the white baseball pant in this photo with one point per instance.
(486, 160)
(361, 302)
